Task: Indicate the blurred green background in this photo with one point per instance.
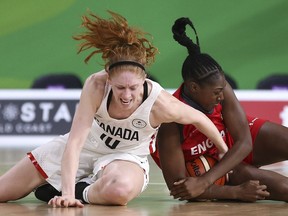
(248, 38)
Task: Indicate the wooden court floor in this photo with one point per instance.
(154, 201)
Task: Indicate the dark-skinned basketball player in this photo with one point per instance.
(252, 142)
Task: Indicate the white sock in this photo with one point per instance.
(85, 194)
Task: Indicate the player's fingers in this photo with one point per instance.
(177, 186)
(59, 201)
(52, 201)
(262, 187)
(254, 182)
(263, 193)
(259, 197)
(175, 191)
(179, 182)
(178, 194)
(65, 203)
(79, 204)
(186, 197)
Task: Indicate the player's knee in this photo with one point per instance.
(119, 196)
(242, 170)
(240, 174)
(117, 190)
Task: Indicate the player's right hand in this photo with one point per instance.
(188, 188)
(65, 201)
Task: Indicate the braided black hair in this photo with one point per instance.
(197, 67)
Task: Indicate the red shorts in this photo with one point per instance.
(254, 124)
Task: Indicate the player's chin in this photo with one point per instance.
(209, 108)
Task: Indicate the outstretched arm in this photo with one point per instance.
(173, 164)
(170, 154)
(236, 122)
(249, 191)
(90, 100)
(169, 109)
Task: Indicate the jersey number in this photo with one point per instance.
(109, 142)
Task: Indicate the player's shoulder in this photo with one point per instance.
(100, 77)
(97, 79)
(166, 107)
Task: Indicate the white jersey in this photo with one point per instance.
(132, 135)
(130, 139)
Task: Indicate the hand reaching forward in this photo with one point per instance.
(191, 189)
(65, 201)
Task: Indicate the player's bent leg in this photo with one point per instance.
(271, 144)
(277, 184)
(120, 182)
(19, 181)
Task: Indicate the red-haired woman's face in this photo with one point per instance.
(127, 88)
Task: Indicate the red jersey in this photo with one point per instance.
(194, 143)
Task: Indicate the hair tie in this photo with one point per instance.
(126, 63)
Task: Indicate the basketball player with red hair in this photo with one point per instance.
(113, 130)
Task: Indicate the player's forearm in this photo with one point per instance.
(68, 173)
(209, 129)
(219, 192)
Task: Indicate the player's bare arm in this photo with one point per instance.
(90, 100)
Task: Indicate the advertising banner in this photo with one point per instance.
(33, 117)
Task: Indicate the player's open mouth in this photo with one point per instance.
(125, 101)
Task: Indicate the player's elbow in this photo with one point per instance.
(247, 146)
